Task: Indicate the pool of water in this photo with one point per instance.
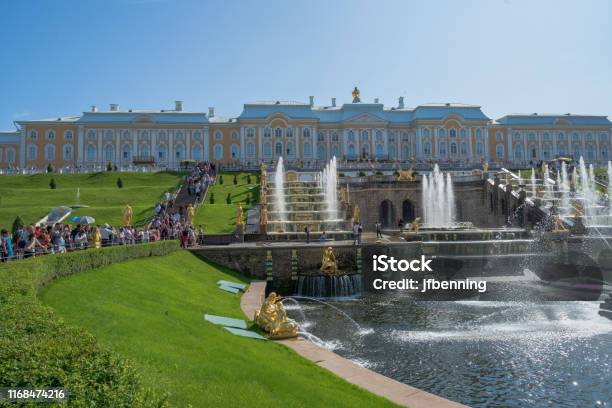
(506, 353)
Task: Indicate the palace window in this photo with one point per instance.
(321, 152)
(218, 152)
(179, 153)
(335, 151)
(162, 153)
(49, 152)
(127, 152)
(534, 152)
(590, 152)
(278, 132)
(531, 136)
(546, 152)
(50, 135)
(518, 152)
(68, 135)
(463, 148)
(179, 137)
(405, 152)
(452, 133)
(267, 132)
(251, 149)
(307, 149)
(196, 152)
(33, 135)
(143, 150)
(405, 136)
(267, 150)
(218, 136)
(365, 135)
(426, 132)
(517, 136)
(478, 133)
(499, 151)
(32, 152)
(575, 137)
(603, 137)
(561, 150)
(589, 136)
(351, 136)
(576, 151)
(442, 148)
(289, 149)
(351, 151)
(604, 153)
(278, 149)
(479, 149)
(427, 148)
(91, 152)
(546, 136)
(250, 133)
(379, 136)
(463, 134)
(109, 153)
(235, 153)
(68, 152)
(365, 150)
(109, 135)
(321, 137)
(561, 136)
(442, 132)
(234, 136)
(453, 149)
(392, 136)
(10, 155)
(197, 136)
(392, 151)
(306, 132)
(91, 135)
(499, 137)
(379, 150)
(334, 137)
(126, 135)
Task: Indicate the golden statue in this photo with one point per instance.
(263, 216)
(485, 167)
(544, 166)
(127, 215)
(190, 213)
(239, 216)
(328, 264)
(356, 214)
(343, 195)
(356, 95)
(273, 319)
(407, 175)
(558, 224)
(415, 225)
(262, 168)
(262, 197)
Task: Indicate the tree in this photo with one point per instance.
(109, 166)
(235, 179)
(52, 184)
(228, 199)
(49, 168)
(119, 182)
(221, 179)
(18, 223)
(212, 198)
(248, 179)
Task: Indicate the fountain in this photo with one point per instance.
(328, 179)
(533, 182)
(279, 193)
(438, 200)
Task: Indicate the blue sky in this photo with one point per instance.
(60, 57)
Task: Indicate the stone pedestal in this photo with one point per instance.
(239, 233)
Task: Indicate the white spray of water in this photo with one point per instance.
(328, 181)
(279, 191)
(533, 183)
(438, 199)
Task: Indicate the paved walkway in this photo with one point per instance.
(378, 384)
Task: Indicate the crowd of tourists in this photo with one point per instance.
(170, 221)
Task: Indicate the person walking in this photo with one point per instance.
(378, 230)
(356, 233)
(307, 231)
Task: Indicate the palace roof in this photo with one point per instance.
(549, 119)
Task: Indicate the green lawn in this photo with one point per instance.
(220, 217)
(31, 197)
(151, 312)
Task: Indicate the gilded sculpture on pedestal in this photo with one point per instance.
(343, 195)
(239, 216)
(263, 215)
(485, 167)
(328, 263)
(415, 225)
(407, 175)
(190, 213)
(356, 215)
(356, 94)
(273, 319)
(127, 215)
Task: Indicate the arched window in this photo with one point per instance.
(251, 149)
(442, 148)
(50, 135)
(50, 152)
(250, 133)
(306, 132)
(463, 133)
(278, 132)
(499, 137)
(289, 149)
(452, 133)
(144, 151)
(321, 137)
(91, 152)
(307, 149)
(267, 132)
(127, 152)
(604, 153)
(499, 151)
(379, 136)
(162, 153)
(463, 148)
(196, 152)
(235, 151)
(218, 136)
(575, 137)
(427, 148)
(197, 136)
(365, 135)
(32, 152)
(442, 132)
(321, 152)
(379, 150)
(10, 155)
(109, 153)
(179, 152)
(534, 151)
(68, 152)
(517, 136)
(68, 135)
(392, 152)
(289, 132)
(351, 136)
(351, 151)
(33, 135)
(91, 135)
(235, 137)
(561, 136)
(365, 150)
(267, 150)
(518, 152)
(278, 149)
(453, 149)
(334, 137)
(218, 151)
(405, 152)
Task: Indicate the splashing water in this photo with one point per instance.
(438, 199)
(328, 181)
(279, 191)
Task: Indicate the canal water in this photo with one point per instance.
(483, 353)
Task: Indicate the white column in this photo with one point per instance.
(99, 155)
(205, 132)
(22, 146)
(435, 146)
(242, 145)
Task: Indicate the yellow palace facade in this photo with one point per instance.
(305, 133)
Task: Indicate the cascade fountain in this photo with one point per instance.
(533, 182)
(279, 192)
(328, 180)
(438, 200)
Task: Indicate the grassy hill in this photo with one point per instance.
(151, 311)
(31, 198)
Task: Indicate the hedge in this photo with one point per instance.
(37, 349)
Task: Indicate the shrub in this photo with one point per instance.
(53, 184)
(228, 199)
(18, 223)
(361, 173)
(340, 174)
(119, 182)
(248, 179)
(379, 173)
(109, 166)
(221, 179)
(235, 179)
(49, 168)
(212, 198)
(37, 349)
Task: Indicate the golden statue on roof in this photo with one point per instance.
(356, 95)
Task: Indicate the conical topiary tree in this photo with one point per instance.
(228, 199)
(49, 168)
(212, 198)
(18, 223)
(53, 184)
(235, 179)
(221, 179)
(119, 182)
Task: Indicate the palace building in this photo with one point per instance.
(304, 132)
